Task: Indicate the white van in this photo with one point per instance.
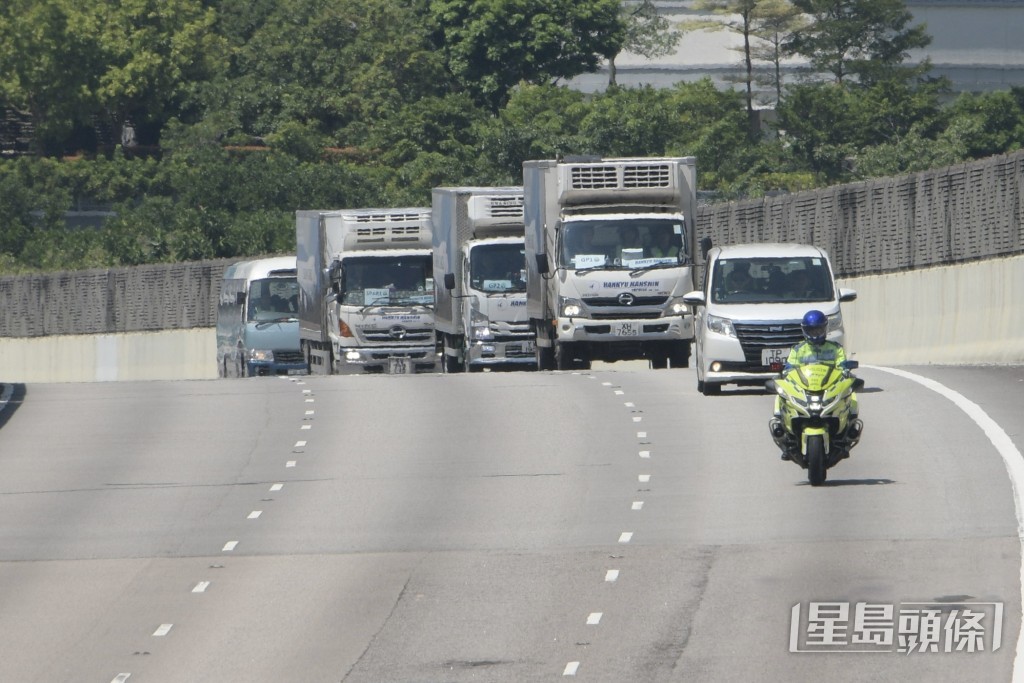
(257, 319)
(748, 312)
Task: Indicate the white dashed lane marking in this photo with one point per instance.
(201, 587)
(594, 618)
(277, 487)
(638, 505)
(290, 463)
(163, 630)
(571, 668)
(255, 514)
(612, 575)
(625, 537)
(229, 546)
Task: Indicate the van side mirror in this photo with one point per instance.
(449, 280)
(542, 264)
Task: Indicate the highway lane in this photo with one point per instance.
(614, 525)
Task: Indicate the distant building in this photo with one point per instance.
(978, 45)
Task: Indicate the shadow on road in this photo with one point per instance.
(853, 482)
(14, 398)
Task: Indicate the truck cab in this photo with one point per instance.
(749, 309)
(480, 278)
(367, 291)
(609, 248)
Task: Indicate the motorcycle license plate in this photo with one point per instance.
(627, 329)
(770, 357)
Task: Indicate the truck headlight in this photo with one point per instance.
(479, 326)
(721, 326)
(677, 307)
(570, 308)
(262, 355)
(835, 322)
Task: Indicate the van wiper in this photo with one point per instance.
(286, 319)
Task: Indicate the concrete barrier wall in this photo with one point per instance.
(964, 314)
(970, 313)
(172, 354)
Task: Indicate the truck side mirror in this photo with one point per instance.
(542, 264)
(239, 298)
(449, 280)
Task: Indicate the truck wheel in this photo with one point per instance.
(564, 357)
(451, 360)
(545, 356)
(659, 361)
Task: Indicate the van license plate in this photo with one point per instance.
(771, 357)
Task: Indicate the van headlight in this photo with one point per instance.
(570, 308)
(261, 355)
(721, 326)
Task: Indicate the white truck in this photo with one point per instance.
(480, 278)
(610, 247)
(366, 291)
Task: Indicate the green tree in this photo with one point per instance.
(775, 21)
(539, 122)
(866, 40)
(648, 34)
(49, 59)
(736, 16)
(491, 45)
(154, 52)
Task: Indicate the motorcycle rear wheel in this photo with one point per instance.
(816, 470)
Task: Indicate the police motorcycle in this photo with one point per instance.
(816, 426)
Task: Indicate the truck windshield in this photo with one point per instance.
(498, 268)
(275, 298)
(387, 280)
(623, 243)
(771, 280)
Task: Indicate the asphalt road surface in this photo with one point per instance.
(611, 525)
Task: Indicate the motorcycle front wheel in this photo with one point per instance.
(816, 460)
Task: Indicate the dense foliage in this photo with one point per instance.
(200, 126)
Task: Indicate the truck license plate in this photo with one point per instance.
(771, 357)
(399, 365)
(627, 329)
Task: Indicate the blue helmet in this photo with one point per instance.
(814, 326)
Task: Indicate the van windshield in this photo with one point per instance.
(771, 280)
(274, 298)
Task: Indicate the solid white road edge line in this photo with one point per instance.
(1012, 459)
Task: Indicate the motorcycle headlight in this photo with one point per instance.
(264, 355)
(570, 308)
(721, 326)
(479, 326)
